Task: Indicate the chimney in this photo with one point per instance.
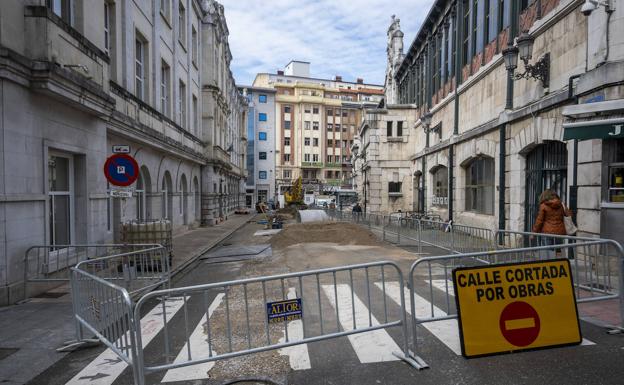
(280, 73)
(338, 78)
(360, 81)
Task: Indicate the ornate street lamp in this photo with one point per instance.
(426, 120)
(538, 71)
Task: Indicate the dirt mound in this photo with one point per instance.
(339, 232)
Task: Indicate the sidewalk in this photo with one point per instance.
(32, 331)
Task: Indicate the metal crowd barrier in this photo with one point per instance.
(597, 272)
(453, 237)
(101, 286)
(330, 310)
(104, 310)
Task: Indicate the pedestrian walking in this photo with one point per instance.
(550, 218)
(357, 212)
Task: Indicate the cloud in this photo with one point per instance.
(345, 38)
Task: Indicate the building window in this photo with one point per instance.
(306, 125)
(107, 27)
(440, 186)
(262, 174)
(330, 112)
(165, 88)
(306, 157)
(315, 157)
(287, 125)
(306, 141)
(182, 25)
(480, 186)
(60, 198)
(394, 188)
(503, 14)
(330, 127)
(466, 35)
(140, 75)
(389, 128)
(399, 128)
(195, 45)
(315, 110)
(286, 141)
(262, 98)
(195, 115)
(287, 109)
(330, 143)
(337, 126)
(286, 174)
(315, 142)
(345, 113)
(165, 9)
(182, 106)
(262, 117)
(262, 155)
(307, 109)
(62, 8)
(315, 126)
(286, 157)
(262, 135)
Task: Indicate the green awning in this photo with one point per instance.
(594, 129)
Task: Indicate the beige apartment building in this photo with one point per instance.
(492, 132)
(80, 76)
(316, 123)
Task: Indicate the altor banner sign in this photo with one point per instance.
(514, 307)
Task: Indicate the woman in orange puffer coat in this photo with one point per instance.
(550, 217)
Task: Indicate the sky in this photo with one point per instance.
(338, 37)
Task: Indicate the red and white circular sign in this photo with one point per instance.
(519, 323)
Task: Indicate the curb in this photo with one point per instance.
(204, 250)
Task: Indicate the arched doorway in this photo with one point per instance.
(546, 168)
(184, 199)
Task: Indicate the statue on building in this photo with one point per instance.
(395, 56)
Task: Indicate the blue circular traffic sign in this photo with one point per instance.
(121, 170)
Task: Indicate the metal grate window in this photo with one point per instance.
(480, 186)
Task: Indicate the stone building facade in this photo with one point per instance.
(316, 123)
(153, 75)
(488, 142)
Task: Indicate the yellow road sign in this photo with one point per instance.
(513, 307)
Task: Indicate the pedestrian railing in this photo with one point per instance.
(597, 272)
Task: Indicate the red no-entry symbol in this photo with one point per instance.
(519, 323)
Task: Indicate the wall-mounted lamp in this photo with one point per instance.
(524, 48)
(426, 121)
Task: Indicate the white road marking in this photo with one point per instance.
(374, 346)
(441, 285)
(424, 309)
(200, 348)
(105, 369)
(298, 356)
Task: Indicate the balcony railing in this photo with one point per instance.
(312, 164)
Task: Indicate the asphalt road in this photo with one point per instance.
(360, 359)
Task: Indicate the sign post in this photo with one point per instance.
(514, 307)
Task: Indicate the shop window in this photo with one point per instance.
(616, 171)
(440, 186)
(480, 186)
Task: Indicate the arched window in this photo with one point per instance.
(440, 186)
(480, 186)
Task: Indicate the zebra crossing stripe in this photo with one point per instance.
(446, 331)
(443, 284)
(199, 347)
(374, 346)
(298, 356)
(106, 367)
